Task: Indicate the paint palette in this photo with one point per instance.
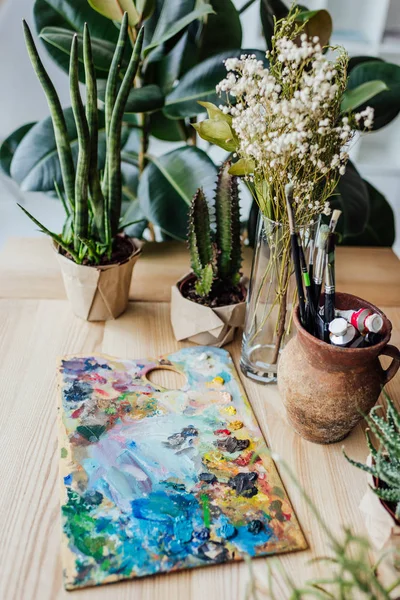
(156, 480)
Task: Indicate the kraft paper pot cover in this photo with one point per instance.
(202, 324)
(98, 293)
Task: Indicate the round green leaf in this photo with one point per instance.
(102, 50)
(165, 129)
(168, 184)
(72, 15)
(144, 99)
(222, 31)
(318, 23)
(268, 10)
(114, 10)
(10, 144)
(386, 104)
(35, 164)
(353, 200)
(380, 227)
(199, 84)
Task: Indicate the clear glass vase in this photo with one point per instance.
(270, 300)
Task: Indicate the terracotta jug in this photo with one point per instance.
(326, 388)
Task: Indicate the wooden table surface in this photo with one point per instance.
(37, 326)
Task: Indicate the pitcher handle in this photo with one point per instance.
(390, 372)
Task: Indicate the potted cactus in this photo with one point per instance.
(95, 257)
(208, 304)
(381, 504)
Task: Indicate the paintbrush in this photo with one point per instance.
(330, 246)
(295, 250)
(310, 308)
(329, 297)
(320, 263)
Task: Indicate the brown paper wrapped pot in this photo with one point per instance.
(98, 293)
(203, 325)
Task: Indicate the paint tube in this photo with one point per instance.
(341, 333)
(364, 320)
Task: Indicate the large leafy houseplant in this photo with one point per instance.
(181, 61)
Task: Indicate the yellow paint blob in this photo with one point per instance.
(235, 425)
(231, 410)
(219, 380)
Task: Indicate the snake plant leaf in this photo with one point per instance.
(202, 11)
(218, 133)
(386, 104)
(199, 84)
(356, 97)
(72, 15)
(380, 226)
(167, 186)
(10, 144)
(102, 50)
(221, 31)
(115, 9)
(145, 99)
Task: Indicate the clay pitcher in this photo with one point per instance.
(325, 388)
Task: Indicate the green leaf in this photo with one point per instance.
(103, 50)
(35, 165)
(218, 133)
(168, 184)
(358, 96)
(222, 31)
(386, 104)
(10, 144)
(242, 167)
(164, 16)
(318, 23)
(389, 495)
(175, 28)
(114, 10)
(199, 84)
(144, 99)
(72, 15)
(145, 8)
(268, 10)
(352, 199)
(354, 61)
(380, 227)
(165, 129)
(204, 284)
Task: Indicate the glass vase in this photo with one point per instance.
(270, 300)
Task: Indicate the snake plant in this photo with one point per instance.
(386, 460)
(216, 260)
(92, 202)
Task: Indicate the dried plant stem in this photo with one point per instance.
(282, 317)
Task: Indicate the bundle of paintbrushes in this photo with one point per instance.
(346, 328)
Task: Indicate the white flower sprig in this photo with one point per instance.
(288, 122)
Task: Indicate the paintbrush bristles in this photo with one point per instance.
(322, 237)
(289, 200)
(334, 219)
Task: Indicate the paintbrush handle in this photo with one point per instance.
(297, 271)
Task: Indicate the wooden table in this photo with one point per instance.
(36, 326)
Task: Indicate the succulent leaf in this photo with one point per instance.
(204, 283)
(199, 236)
(390, 495)
(228, 226)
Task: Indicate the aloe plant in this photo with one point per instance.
(92, 204)
(216, 262)
(386, 460)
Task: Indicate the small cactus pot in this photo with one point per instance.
(98, 293)
(201, 324)
(326, 389)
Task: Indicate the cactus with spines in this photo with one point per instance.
(386, 459)
(216, 259)
(92, 203)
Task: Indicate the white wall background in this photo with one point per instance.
(22, 99)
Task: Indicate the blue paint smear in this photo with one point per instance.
(68, 479)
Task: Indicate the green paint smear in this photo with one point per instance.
(64, 453)
(206, 510)
(92, 433)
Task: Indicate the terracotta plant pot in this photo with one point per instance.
(203, 325)
(98, 293)
(325, 388)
